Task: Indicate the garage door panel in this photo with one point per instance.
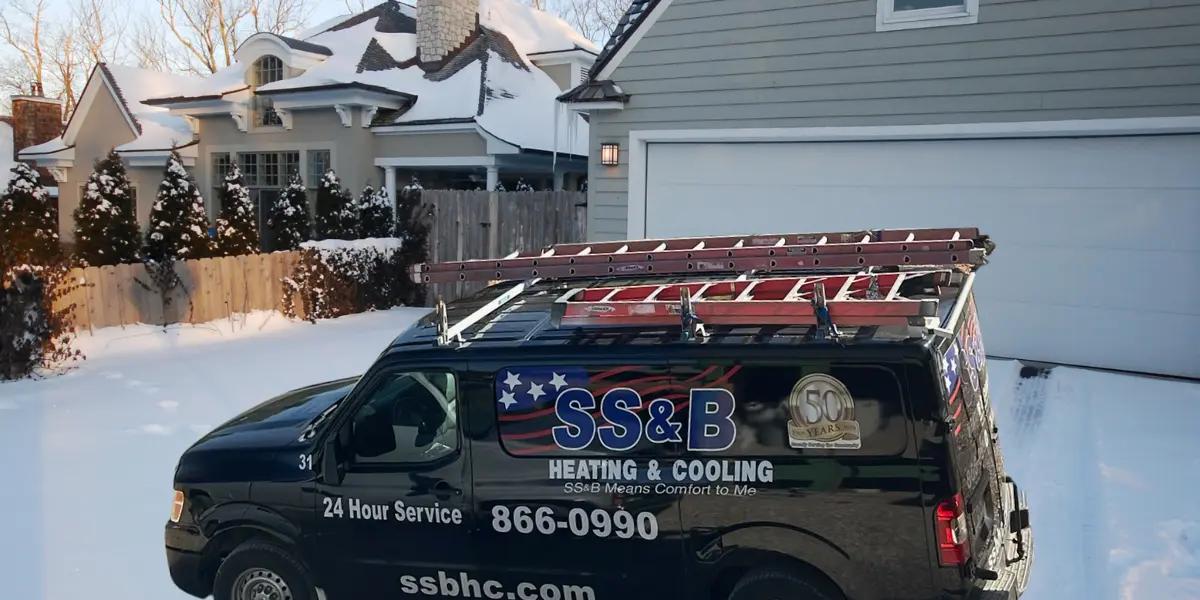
(1109, 279)
(1098, 232)
(1115, 339)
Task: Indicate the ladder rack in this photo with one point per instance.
(721, 254)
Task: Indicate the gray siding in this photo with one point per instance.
(429, 144)
(806, 63)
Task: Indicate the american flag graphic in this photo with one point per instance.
(951, 365)
(526, 396)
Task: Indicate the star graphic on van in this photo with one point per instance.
(507, 400)
(559, 381)
(512, 380)
(535, 390)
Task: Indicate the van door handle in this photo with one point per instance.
(443, 490)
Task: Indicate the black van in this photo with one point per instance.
(800, 416)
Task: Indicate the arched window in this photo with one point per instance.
(267, 69)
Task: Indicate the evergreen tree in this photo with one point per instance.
(375, 219)
(412, 227)
(337, 215)
(106, 230)
(28, 224)
(237, 225)
(290, 222)
(178, 223)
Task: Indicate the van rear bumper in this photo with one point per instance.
(1014, 577)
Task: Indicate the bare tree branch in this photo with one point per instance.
(24, 35)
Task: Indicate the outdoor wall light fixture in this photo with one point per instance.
(610, 154)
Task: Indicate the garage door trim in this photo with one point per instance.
(639, 141)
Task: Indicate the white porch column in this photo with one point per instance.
(559, 178)
(389, 182)
(493, 178)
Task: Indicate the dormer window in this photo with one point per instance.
(267, 69)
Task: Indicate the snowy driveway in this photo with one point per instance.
(1110, 462)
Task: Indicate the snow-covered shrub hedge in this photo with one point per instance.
(237, 224)
(32, 333)
(336, 278)
(106, 229)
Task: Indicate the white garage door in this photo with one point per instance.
(1099, 238)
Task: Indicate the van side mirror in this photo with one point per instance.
(373, 434)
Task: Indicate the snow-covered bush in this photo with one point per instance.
(336, 278)
(289, 218)
(413, 217)
(106, 229)
(33, 333)
(28, 223)
(237, 224)
(522, 186)
(374, 213)
(337, 215)
(178, 223)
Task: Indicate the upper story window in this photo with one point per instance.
(911, 14)
(267, 69)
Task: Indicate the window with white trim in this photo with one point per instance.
(912, 14)
(267, 69)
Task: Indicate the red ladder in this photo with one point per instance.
(779, 252)
(852, 300)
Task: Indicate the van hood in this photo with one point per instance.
(249, 445)
(280, 421)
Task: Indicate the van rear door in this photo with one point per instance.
(975, 457)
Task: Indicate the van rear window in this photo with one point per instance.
(739, 410)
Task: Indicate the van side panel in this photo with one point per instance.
(549, 512)
(852, 509)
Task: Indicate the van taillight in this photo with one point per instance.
(950, 523)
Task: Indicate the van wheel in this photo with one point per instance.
(262, 571)
(779, 584)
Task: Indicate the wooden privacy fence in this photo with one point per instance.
(469, 225)
(211, 288)
(465, 225)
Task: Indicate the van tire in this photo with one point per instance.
(779, 584)
(266, 564)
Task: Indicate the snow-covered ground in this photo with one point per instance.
(1110, 462)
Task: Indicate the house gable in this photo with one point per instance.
(100, 88)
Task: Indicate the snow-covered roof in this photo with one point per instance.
(155, 129)
(159, 129)
(509, 98)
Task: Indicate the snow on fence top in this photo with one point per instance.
(380, 245)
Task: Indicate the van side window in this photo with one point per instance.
(408, 417)
(810, 410)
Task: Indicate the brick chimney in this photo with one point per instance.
(35, 119)
(443, 26)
